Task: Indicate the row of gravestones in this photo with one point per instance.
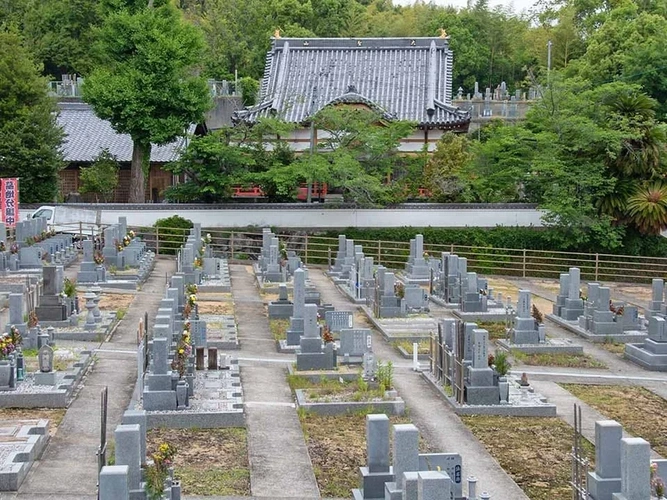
(406, 474)
(454, 285)
(652, 352)
(125, 479)
(272, 267)
(122, 250)
(58, 249)
(388, 302)
(598, 314)
(352, 269)
(593, 314)
(163, 389)
(622, 467)
(305, 332)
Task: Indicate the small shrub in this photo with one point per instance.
(385, 375)
(172, 233)
(502, 364)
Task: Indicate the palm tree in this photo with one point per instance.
(647, 208)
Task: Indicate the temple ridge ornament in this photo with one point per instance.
(276, 33)
(443, 33)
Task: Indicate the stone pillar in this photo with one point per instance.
(128, 452)
(114, 483)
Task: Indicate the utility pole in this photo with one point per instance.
(309, 188)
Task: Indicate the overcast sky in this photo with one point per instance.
(516, 5)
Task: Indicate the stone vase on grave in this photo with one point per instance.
(181, 394)
(5, 374)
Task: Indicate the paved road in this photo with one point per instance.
(277, 452)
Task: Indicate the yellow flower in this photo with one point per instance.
(181, 351)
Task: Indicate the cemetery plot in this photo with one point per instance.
(279, 328)
(527, 333)
(215, 271)
(638, 410)
(593, 314)
(209, 461)
(336, 396)
(184, 381)
(337, 448)
(48, 379)
(556, 359)
(221, 328)
(53, 415)
(215, 304)
(474, 383)
(405, 349)
(535, 452)
(497, 329)
(21, 443)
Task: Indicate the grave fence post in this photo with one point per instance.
(597, 265)
(306, 249)
(157, 240)
(524, 262)
(231, 244)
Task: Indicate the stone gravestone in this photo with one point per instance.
(656, 305)
(158, 393)
(51, 305)
(574, 305)
(338, 320)
(369, 366)
(526, 330)
(417, 268)
(281, 308)
(313, 355)
(606, 479)
(378, 471)
(635, 470)
(355, 342)
(45, 375)
(479, 386)
(296, 328)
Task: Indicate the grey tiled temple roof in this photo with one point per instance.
(86, 136)
(404, 78)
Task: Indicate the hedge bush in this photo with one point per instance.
(172, 233)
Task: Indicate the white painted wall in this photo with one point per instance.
(331, 218)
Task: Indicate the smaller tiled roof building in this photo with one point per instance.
(87, 135)
(403, 78)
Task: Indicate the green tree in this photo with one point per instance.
(101, 178)
(29, 136)
(60, 33)
(146, 84)
(443, 170)
(209, 164)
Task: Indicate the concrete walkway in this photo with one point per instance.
(437, 423)
(280, 466)
(68, 468)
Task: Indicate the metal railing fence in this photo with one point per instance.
(314, 249)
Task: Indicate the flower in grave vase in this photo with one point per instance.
(98, 258)
(158, 472)
(3, 246)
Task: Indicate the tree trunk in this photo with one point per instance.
(137, 181)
